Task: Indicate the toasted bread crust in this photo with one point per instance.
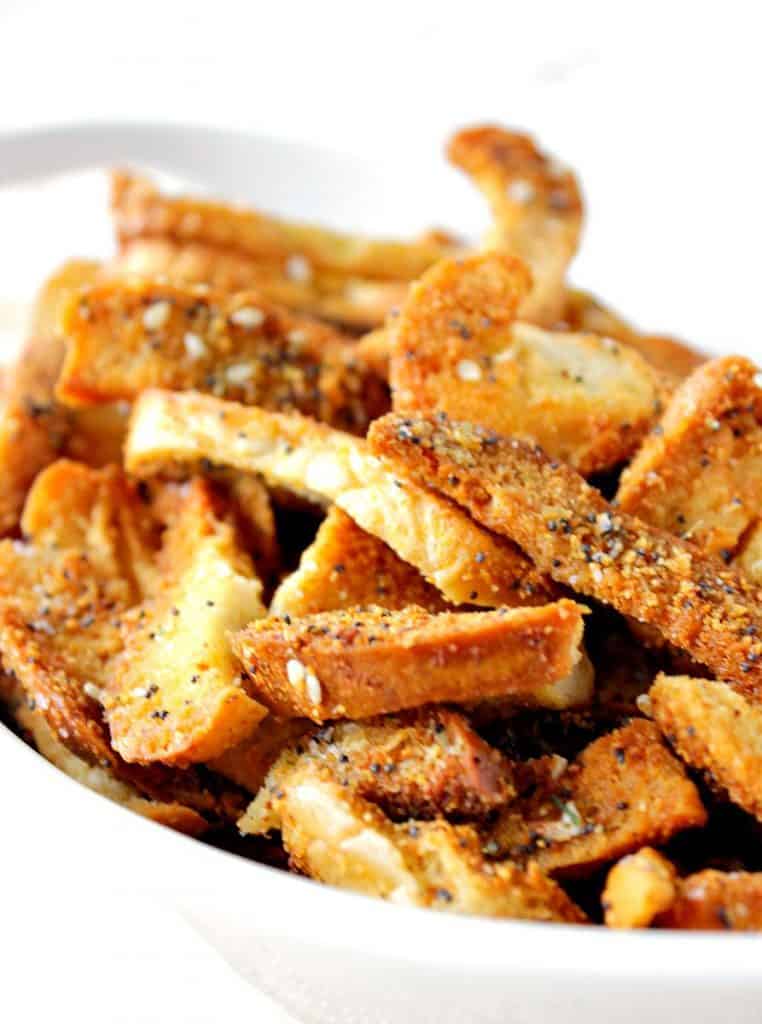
(715, 729)
(335, 836)
(624, 791)
(466, 563)
(639, 888)
(536, 206)
(419, 764)
(346, 567)
(573, 534)
(717, 901)
(126, 336)
(700, 475)
(368, 662)
(457, 348)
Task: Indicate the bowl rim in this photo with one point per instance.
(316, 914)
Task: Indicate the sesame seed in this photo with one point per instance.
(156, 315)
(295, 671)
(467, 369)
(521, 191)
(298, 268)
(239, 373)
(312, 687)
(248, 317)
(195, 347)
(93, 692)
(712, 423)
(296, 338)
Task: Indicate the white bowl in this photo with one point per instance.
(328, 955)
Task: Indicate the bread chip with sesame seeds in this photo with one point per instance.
(458, 348)
(716, 901)
(346, 567)
(571, 532)
(699, 474)
(638, 888)
(715, 729)
(418, 764)
(624, 790)
(344, 278)
(174, 693)
(536, 206)
(673, 358)
(354, 664)
(467, 564)
(336, 837)
(126, 336)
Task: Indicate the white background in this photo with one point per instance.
(657, 106)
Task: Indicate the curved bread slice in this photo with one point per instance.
(465, 562)
(586, 400)
(335, 836)
(126, 336)
(717, 901)
(624, 791)
(372, 661)
(569, 530)
(346, 567)
(536, 206)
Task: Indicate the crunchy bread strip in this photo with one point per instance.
(345, 567)
(536, 205)
(585, 399)
(335, 836)
(716, 901)
(248, 763)
(126, 336)
(62, 600)
(33, 429)
(415, 765)
(715, 729)
(374, 349)
(583, 312)
(624, 790)
(573, 534)
(367, 662)
(466, 563)
(699, 474)
(174, 694)
(639, 888)
(340, 277)
(101, 779)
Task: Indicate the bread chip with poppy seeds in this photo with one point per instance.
(572, 533)
(625, 790)
(371, 661)
(335, 836)
(716, 901)
(458, 348)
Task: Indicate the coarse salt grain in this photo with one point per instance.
(467, 369)
(521, 191)
(294, 671)
(156, 315)
(298, 268)
(248, 317)
(195, 346)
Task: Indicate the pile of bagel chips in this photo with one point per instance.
(402, 564)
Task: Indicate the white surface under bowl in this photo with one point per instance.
(327, 955)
